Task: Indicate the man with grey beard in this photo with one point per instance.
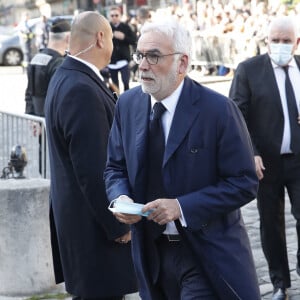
(180, 165)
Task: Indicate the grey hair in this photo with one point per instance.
(284, 22)
(178, 34)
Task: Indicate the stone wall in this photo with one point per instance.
(25, 250)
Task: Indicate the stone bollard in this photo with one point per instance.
(25, 250)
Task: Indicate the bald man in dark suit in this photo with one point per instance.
(91, 249)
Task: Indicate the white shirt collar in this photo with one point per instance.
(91, 66)
(171, 101)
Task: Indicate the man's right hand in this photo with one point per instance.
(127, 218)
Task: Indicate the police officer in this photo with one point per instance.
(40, 70)
(44, 64)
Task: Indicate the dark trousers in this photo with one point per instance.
(271, 206)
(179, 276)
(125, 75)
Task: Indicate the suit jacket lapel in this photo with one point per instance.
(184, 116)
(271, 83)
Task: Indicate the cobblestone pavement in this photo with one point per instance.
(251, 219)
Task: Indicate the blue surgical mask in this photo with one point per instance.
(125, 207)
(281, 54)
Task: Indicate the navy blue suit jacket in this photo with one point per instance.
(79, 113)
(208, 166)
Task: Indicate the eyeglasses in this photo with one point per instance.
(112, 16)
(152, 58)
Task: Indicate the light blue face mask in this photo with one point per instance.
(281, 54)
(125, 207)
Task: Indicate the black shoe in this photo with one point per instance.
(298, 269)
(280, 294)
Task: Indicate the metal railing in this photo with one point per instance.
(222, 49)
(29, 132)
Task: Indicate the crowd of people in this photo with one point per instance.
(224, 33)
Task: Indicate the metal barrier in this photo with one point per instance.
(29, 132)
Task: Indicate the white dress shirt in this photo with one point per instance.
(280, 79)
(91, 66)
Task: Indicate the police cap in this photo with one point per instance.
(60, 25)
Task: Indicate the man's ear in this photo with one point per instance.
(183, 64)
(99, 42)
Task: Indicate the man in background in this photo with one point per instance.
(123, 38)
(266, 89)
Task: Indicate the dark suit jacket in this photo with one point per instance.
(208, 165)
(122, 48)
(79, 113)
(255, 91)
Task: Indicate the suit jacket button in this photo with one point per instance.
(194, 150)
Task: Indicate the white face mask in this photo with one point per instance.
(281, 54)
(125, 207)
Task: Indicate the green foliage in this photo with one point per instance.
(48, 296)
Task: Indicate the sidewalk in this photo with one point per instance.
(251, 219)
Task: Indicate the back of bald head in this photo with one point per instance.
(85, 27)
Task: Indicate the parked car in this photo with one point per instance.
(6, 30)
(11, 53)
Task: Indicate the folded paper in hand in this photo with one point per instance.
(125, 207)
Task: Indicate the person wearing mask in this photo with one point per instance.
(91, 249)
(181, 152)
(266, 89)
(123, 39)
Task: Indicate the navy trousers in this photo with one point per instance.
(179, 276)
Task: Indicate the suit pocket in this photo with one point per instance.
(221, 225)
